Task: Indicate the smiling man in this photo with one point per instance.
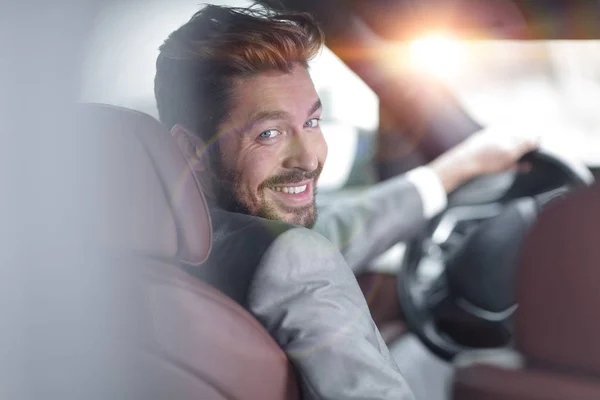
(276, 144)
(233, 87)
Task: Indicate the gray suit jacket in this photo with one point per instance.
(299, 286)
(364, 226)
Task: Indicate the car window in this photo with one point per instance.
(349, 122)
(549, 87)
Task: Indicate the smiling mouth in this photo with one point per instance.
(295, 195)
(290, 189)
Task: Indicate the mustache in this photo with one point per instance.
(294, 176)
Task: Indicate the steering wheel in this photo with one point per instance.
(456, 284)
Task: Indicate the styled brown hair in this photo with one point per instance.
(199, 61)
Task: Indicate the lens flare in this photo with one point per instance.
(437, 54)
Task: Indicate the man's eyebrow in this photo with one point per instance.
(265, 116)
(268, 115)
(258, 118)
(271, 115)
(317, 106)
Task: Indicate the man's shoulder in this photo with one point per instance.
(228, 226)
(239, 244)
(260, 235)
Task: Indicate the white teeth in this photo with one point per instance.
(290, 190)
(300, 189)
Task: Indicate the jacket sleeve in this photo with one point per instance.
(308, 299)
(366, 225)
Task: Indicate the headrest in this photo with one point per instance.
(558, 287)
(146, 199)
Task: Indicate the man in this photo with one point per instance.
(233, 87)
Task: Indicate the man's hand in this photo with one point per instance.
(482, 154)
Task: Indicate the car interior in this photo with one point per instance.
(499, 291)
(206, 345)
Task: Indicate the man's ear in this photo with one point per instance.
(191, 146)
(193, 149)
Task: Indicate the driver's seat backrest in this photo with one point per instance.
(488, 382)
(556, 325)
(182, 338)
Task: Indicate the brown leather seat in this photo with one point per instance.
(557, 328)
(381, 292)
(172, 335)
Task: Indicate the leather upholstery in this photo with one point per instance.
(556, 327)
(380, 290)
(485, 382)
(556, 323)
(151, 202)
(184, 339)
(201, 334)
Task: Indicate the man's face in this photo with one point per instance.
(271, 147)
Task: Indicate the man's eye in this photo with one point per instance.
(269, 134)
(312, 123)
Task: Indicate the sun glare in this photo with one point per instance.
(437, 54)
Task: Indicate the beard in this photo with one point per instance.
(229, 196)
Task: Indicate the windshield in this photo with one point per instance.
(550, 87)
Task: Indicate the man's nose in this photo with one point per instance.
(301, 153)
